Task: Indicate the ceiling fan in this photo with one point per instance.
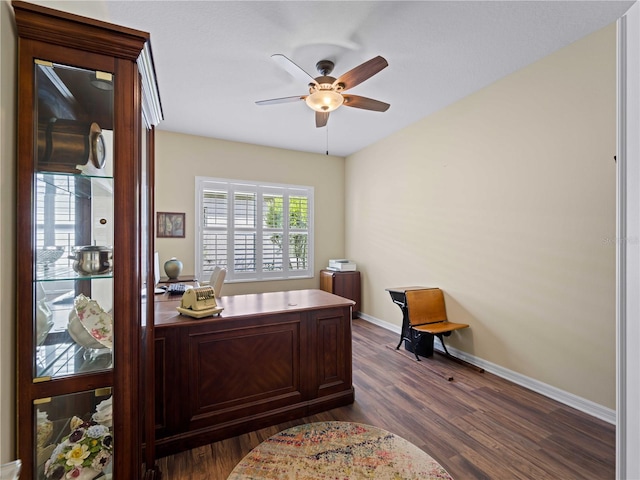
(326, 92)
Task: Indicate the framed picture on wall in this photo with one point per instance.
(170, 225)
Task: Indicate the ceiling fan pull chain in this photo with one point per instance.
(327, 127)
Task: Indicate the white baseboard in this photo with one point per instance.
(587, 406)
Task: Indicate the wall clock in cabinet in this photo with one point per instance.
(87, 107)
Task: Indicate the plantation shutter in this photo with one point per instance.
(255, 231)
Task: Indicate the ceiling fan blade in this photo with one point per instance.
(274, 101)
(321, 119)
(361, 73)
(365, 103)
(294, 70)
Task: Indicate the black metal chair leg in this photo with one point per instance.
(414, 343)
(456, 359)
(441, 338)
(405, 332)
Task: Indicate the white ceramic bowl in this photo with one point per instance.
(95, 320)
(79, 334)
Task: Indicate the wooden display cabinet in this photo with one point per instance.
(87, 106)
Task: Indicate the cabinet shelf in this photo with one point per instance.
(67, 348)
(92, 185)
(65, 359)
(58, 273)
(71, 210)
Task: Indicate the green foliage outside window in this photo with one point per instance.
(298, 220)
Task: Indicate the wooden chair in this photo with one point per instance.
(427, 315)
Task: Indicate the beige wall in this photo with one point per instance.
(7, 222)
(505, 200)
(180, 158)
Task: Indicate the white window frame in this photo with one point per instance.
(231, 186)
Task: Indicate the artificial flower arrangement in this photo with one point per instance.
(84, 453)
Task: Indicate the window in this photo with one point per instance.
(61, 231)
(257, 231)
(55, 198)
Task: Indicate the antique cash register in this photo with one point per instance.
(199, 302)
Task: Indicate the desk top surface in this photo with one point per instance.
(249, 305)
(185, 278)
(406, 289)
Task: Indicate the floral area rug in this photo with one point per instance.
(337, 450)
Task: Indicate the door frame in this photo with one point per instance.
(628, 246)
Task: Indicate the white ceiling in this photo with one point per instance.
(213, 60)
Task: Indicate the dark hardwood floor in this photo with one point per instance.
(477, 426)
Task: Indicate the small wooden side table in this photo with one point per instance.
(344, 284)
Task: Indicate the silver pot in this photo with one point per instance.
(92, 260)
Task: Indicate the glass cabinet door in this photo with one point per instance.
(74, 221)
(74, 435)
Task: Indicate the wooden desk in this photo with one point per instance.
(268, 358)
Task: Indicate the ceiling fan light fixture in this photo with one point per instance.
(324, 100)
